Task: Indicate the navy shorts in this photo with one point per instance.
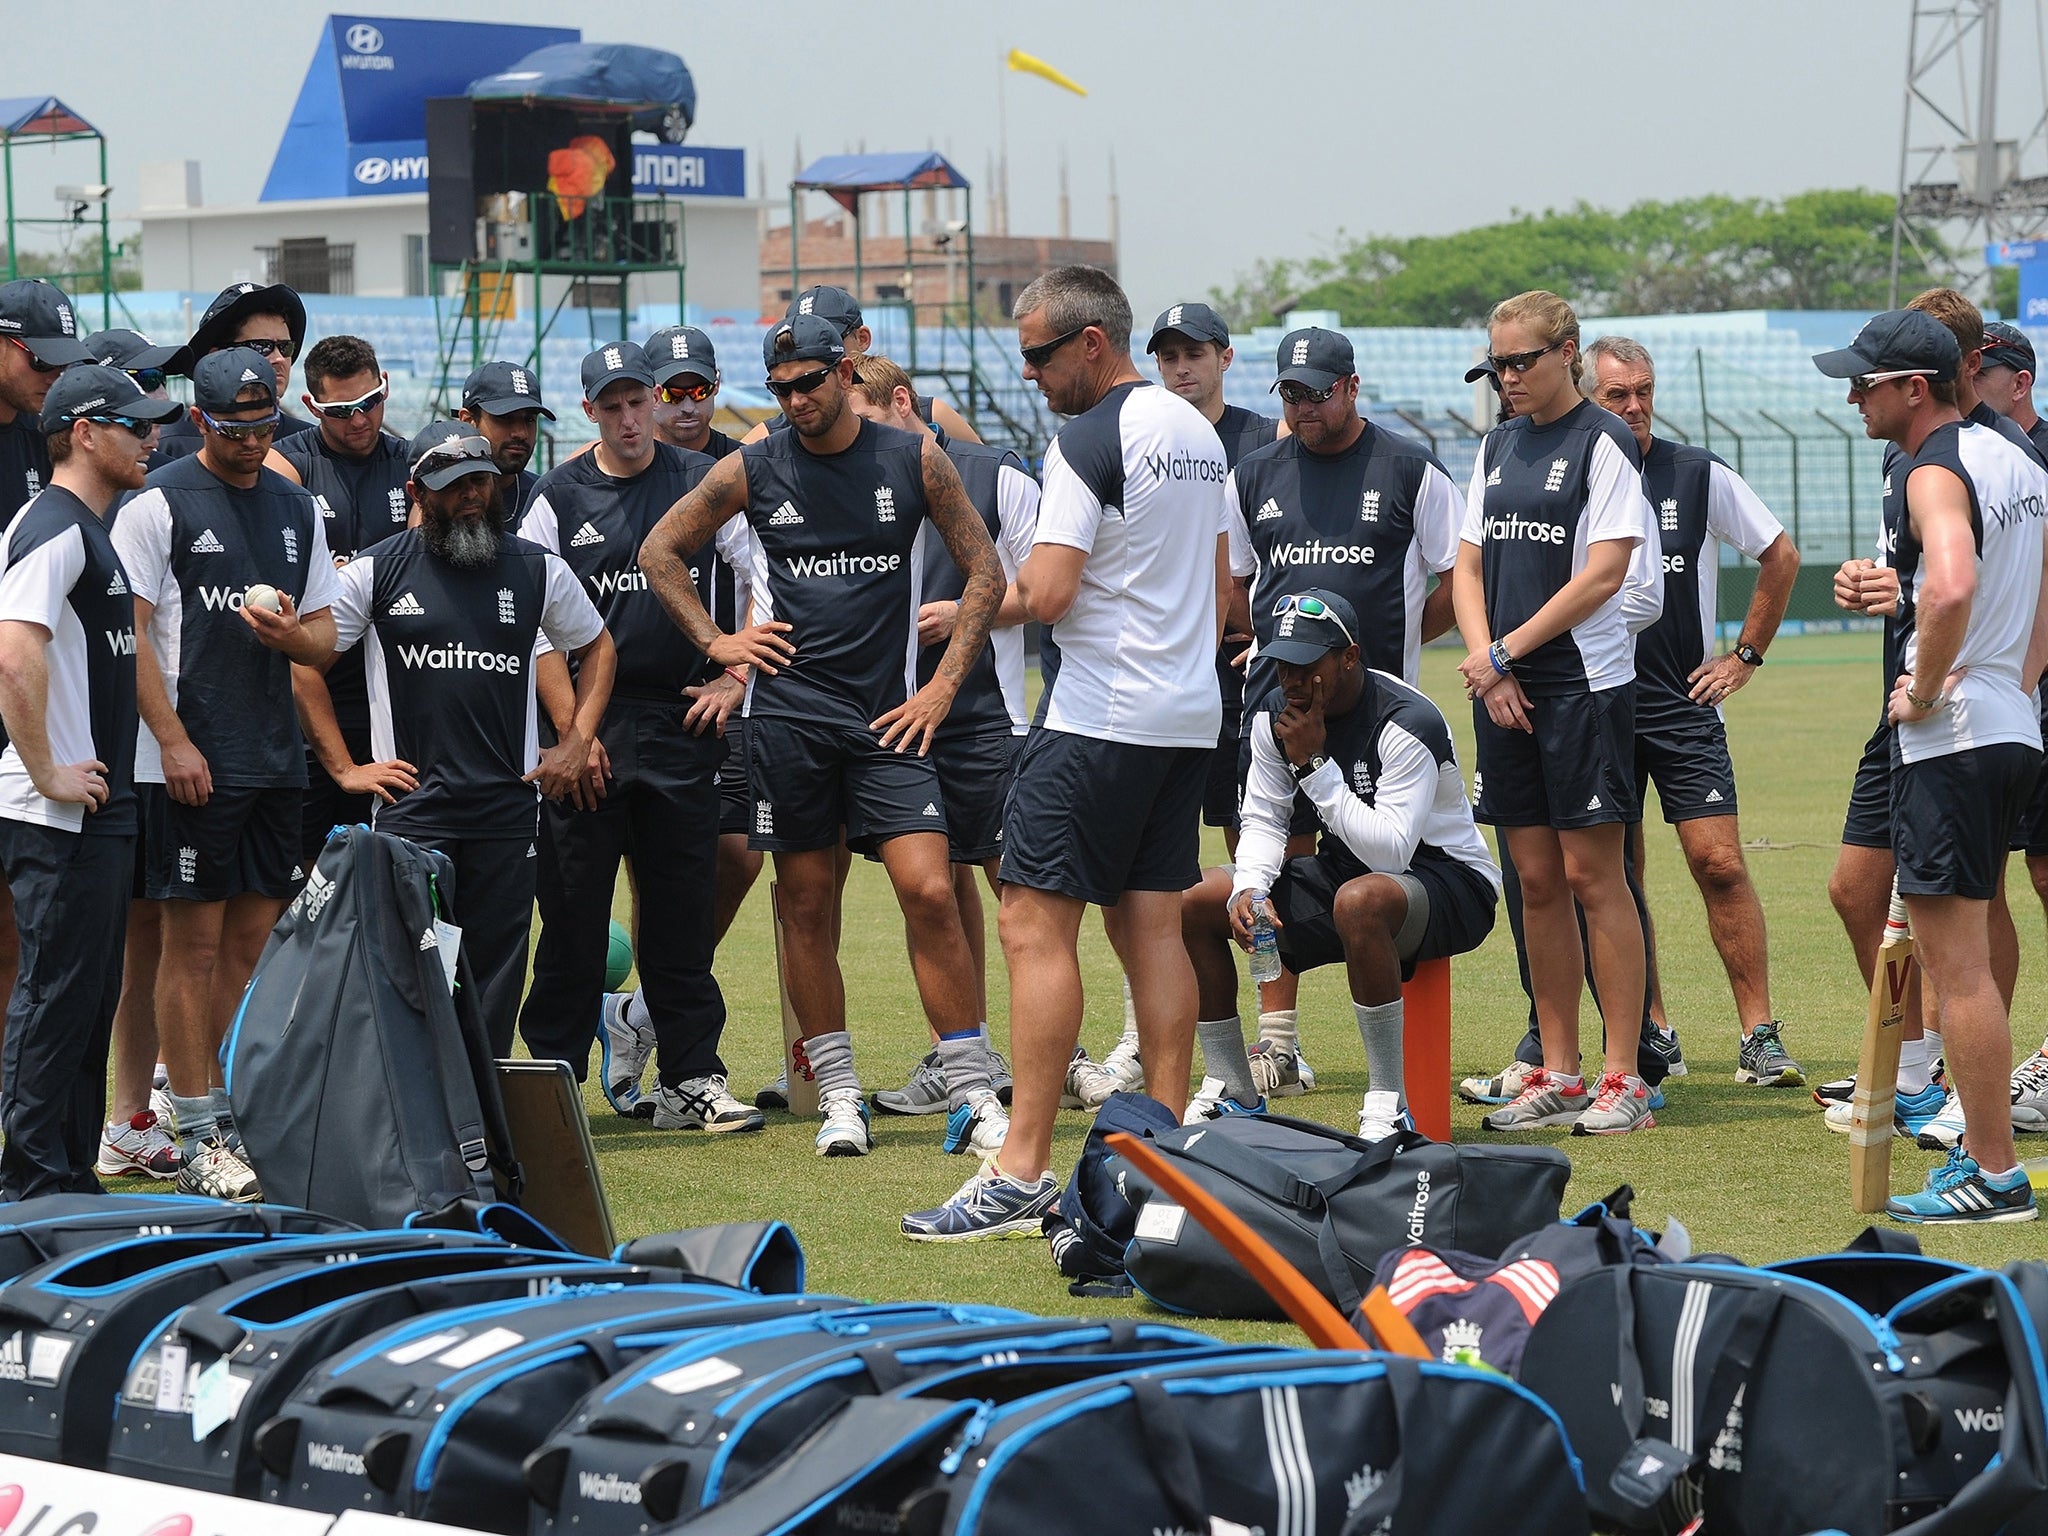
(1577, 769)
(1093, 819)
(244, 840)
(1220, 789)
(1869, 822)
(1686, 756)
(1953, 818)
(975, 770)
(810, 780)
(735, 804)
(1456, 903)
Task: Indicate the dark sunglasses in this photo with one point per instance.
(676, 394)
(1519, 362)
(148, 380)
(240, 431)
(1041, 354)
(344, 410)
(129, 424)
(36, 362)
(1313, 608)
(803, 384)
(268, 346)
(1300, 394)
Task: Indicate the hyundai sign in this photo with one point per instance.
(659, 170)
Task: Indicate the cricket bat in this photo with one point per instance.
(803, 1088)
(1877, 1065)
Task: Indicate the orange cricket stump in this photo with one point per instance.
(1426, 1047)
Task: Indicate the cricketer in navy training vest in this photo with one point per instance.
(1242, 432)
(1536, 490)
(600, 522)
(837, 556)
(979, 705)
(1345, 522)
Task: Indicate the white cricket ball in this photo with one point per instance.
(263, 596)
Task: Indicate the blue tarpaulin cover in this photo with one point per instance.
(605, 72)
(846, 177)
(22, 116)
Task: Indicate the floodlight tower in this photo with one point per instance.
(1958, 179)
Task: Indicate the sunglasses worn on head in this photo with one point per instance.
(1863, 383)
(270, 346)
(343, 410)
(148, 380)
(240, 431)
(1041, 354)
(1313, 608)
(129, 424)
(1520, 362)
(1300, 394)
(802, 384)
(676, 394)
(36, 362)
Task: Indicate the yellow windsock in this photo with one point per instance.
(1027, 64)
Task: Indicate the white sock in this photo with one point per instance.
(1933, 1039)
(831, 1058)
(1913, 1062)
(1570, 1082)
(1280, 1028)
(1223, 1057)
(1130, 1012)
(1379, 1026)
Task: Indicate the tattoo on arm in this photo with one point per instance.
(967, 540)
(683, 530)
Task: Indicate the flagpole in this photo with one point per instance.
(1002, 220)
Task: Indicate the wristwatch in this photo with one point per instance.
(1748, 655)
(1303, 770)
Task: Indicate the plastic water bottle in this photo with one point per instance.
(1265, 956)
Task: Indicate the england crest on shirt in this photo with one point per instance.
(507, 613)
(1667, 514)
(1369, 507)
(1361, 780)
(885, 504)
(291, 545)
(395, 499)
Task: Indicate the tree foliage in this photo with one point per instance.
(1815, 250)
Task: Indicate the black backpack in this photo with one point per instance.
(1092, 1225)
(35, 1231)
(1331, 1203)
(71, 1327)
(1290, 1442)
(1864, 1391)
(245, 1347)
(433, 1418)
(360, 1085)
(679, 1434)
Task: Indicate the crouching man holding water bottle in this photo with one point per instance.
(1400, 873)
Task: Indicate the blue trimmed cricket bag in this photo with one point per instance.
(35, 1231)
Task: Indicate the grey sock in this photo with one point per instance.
(223, 1110)
(969, 1068)
(1223, 1055)
(831, 1059)
(194, 1118)
(1379, 1025)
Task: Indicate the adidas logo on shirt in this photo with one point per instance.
(930, 809)
(1713, 797)
(1554, 481)
(117, 587)
(786, 516)
(1887, 485)
(207, 544)
(1269, 511)
(1493, 477)
(586, 535)
(407, 607)
(1593, 804)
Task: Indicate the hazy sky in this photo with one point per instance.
(1239, 131)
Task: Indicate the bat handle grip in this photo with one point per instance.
(1896, 925)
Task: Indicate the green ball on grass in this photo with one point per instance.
(618, 963)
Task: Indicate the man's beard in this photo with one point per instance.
(464, 544)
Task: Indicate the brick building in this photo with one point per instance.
(937, 274)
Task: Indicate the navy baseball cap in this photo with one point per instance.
(827, 303)
(681, 349)
(1315, 357)
(615, 362)
(94, 389)
(2007, 346)
(36, 314)
(812, 340)
(499, 389)
(220, 376)
(1309, 625)
(1197, 322)
(235, 304)
(442, 452)
(128, 350)
(1899, 340)
(1482, 370)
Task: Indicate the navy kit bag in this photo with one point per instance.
(1285, 1441)
(1868, 1392)
(759, 1256)
(35, 1231)
(1094, 1221)
(433, 1418)
(683, 1434)
(76, 1322)
(1331, 1204)
(362, 1080)
(215, 1370)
